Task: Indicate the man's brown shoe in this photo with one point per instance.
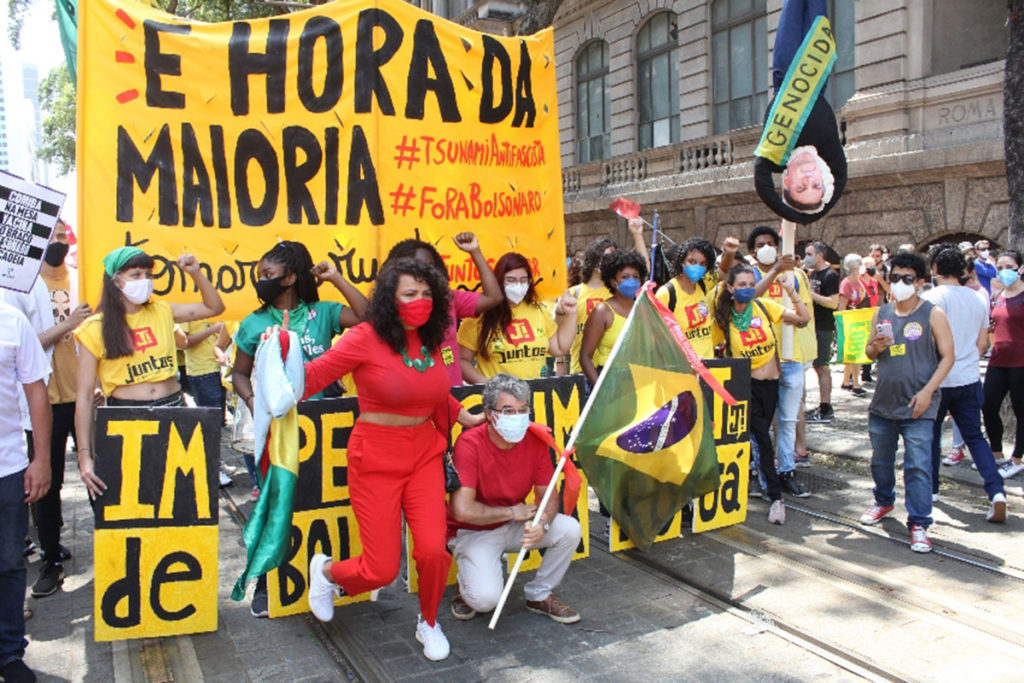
(461, 610)
(553, 607)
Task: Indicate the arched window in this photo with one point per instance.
(740, 68)
(657, 82)
(593, 103)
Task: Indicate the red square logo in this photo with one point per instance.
(143, 338)
(520, 332)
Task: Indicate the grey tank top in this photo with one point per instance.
(906, 366)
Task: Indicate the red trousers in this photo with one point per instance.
(393, 470)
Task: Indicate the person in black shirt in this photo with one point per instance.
(825, 295)
(815, 175)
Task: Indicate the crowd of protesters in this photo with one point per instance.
(936, 319)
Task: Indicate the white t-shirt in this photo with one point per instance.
(22, 361)
(967, 316)
(37, 307)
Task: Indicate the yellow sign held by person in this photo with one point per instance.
(806, 76)
(348, 127)
(853, 329)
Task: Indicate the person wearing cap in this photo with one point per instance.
(128, 344)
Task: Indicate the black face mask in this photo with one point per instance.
(268, 290)
(55, 253)
(871, 271)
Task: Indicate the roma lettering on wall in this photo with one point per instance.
(348, 127)
(156, 533)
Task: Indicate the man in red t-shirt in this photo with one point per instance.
(498, 463)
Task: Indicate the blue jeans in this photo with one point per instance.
(13, 527)
(794, 22)
(207, 390)
(791, 394)
(917, 464)
(964, 404)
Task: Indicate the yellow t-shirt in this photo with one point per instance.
(805, 345)
(757, 342)
(587, 299)
(155, 357)
(694, 312)
(522, 350)
(61, 388)
(604, 347)
(199, 359)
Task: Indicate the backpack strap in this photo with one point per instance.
(671, 295)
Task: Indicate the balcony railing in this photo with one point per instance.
(695, 155)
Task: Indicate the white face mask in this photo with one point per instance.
(862, 270)
(516, 293)
(767, 254)
(138, 291)
(512, 428)
(983, 253)
(902, 291)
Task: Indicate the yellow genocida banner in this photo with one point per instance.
(348, 127)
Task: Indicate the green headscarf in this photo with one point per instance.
(115, 260)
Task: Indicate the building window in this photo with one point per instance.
(740, 68)
(657, 82)
(841, 84)
(593, 103)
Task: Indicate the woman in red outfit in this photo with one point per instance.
(395, 449)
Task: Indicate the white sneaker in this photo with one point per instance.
(777, 513)
(935, 498)
(1011, 469)
(435, 645)
(225, 480)
(321, 591)
(997, 509)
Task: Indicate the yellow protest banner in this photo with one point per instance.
(806, 75)
(156, 538)
(853, 329)
(348, 127)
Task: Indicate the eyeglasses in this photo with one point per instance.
(908, 278)
(517, 280)
(509, 412)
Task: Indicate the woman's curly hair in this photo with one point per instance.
(613, 263)
(382, 313)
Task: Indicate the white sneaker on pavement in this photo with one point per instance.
(997, 509)
(435, 644)
(1011, 469)
(225, 479)
(777, 513)
(321, 591)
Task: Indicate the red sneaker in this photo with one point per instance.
(875, 514)
(955, 456)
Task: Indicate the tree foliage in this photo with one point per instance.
(1013, 121)
(17, 10)
(57, 96)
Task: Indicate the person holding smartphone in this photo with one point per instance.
(914, 348)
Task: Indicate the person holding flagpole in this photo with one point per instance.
(746, 325)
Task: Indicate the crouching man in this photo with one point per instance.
(498, 463)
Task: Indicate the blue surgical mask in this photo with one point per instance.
(695, 272)
(512, 428)
(1008, 276)
(743, 295)
(629, 287)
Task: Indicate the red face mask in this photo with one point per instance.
(415, 313)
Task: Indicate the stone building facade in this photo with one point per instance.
(921, 117)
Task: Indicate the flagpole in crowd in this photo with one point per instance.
(561, 461)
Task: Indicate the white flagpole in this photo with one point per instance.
(561, 461)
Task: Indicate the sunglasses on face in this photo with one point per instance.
(908, 279)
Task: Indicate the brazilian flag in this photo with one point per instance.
(645, 439)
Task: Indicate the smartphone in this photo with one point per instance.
(885, 329)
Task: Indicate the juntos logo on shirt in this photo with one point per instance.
(143, 338)
(592, 304)
(753, 335)
(520, 332)
(696, 314)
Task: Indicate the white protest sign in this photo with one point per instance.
(28, 213)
